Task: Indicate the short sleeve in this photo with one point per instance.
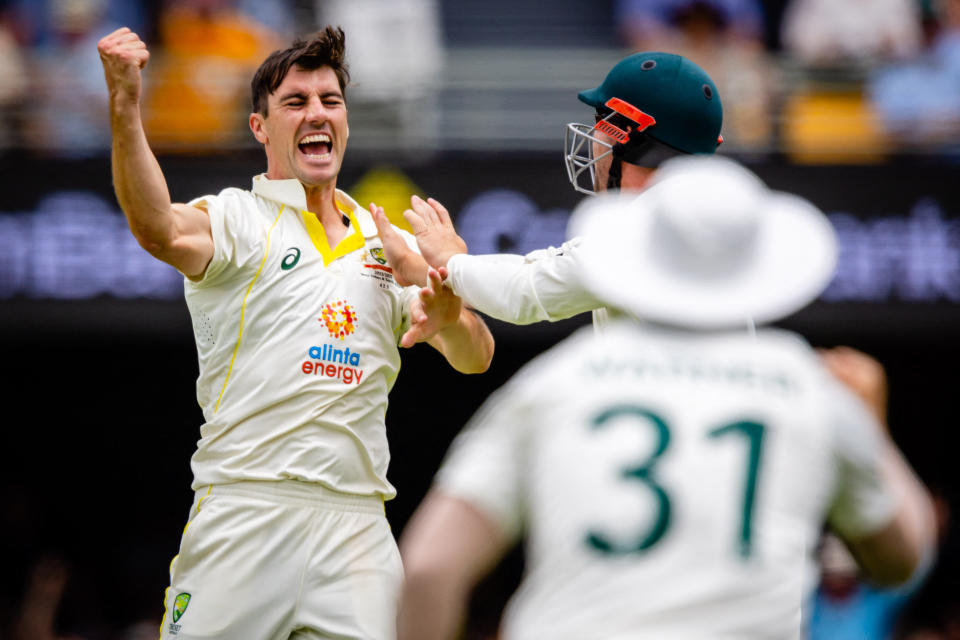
(239, 236)
(485, 462)
(863, 501)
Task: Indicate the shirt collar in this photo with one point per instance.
(291, 193)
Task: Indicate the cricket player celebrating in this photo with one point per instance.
(297, 321)
(672, 473)
(652, 106)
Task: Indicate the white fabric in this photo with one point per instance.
(283, 397)
(279, 560)
(706, 246)
(538, 459)
(542, 285)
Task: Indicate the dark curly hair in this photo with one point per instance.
(322, 49)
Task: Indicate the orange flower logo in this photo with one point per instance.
(340, 319)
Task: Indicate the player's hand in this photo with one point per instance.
(408, 266)
(435, 309)
(864, 375)
(436, 236)
(123, 55)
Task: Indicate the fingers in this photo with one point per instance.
(429, 214)
(427, 294)
(442, 212)
(125, 46)
(116, 32)
(384, 228)
(109, 39)
(436, 280)
(418, 326)
(123, 37)
(391, 239)
(410, 338)
(415, 220)
(409, 267)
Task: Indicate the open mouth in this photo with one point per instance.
(315, 146)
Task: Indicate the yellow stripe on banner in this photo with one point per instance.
(318, 236)
(243, 308)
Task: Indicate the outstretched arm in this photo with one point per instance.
(543, 285)
(175, 233)
(439, 318)
(447, 547)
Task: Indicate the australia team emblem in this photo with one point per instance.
(377, 254)
(180, 606)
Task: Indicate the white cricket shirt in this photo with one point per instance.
(670, 484)
(542, 285)
(297, 343)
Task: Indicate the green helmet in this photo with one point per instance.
(653, 105)
(679, 95)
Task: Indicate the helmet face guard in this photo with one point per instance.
(619, 131)
(651, 106)
(579, 156)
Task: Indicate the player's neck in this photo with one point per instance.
(322, 201)
(634, 178)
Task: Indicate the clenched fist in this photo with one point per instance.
(123, 55)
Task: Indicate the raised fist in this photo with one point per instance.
(123, 55)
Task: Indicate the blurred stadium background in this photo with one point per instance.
(855, 105)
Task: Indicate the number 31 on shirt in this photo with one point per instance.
(643, 472)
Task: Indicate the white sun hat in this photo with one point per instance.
(707, 246)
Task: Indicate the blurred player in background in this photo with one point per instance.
(671, 474)
(297, 322)
(651, 106)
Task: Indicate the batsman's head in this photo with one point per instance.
(651, 107)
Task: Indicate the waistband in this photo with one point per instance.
(307, 494)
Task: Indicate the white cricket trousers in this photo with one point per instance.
(283, 560)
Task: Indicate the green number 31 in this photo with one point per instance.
(644, 474)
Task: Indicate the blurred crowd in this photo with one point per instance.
(815, 79)
(811, 78)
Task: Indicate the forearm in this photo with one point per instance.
(915, 513)
(520, 291)
(433, 607)
(467, 344)
(137, 179)
(447, 547)
(891, 555)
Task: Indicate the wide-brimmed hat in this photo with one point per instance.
(708, 245)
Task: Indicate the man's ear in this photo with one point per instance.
(258, 128)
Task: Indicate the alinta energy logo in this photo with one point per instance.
(329, 361)
(339, 318)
